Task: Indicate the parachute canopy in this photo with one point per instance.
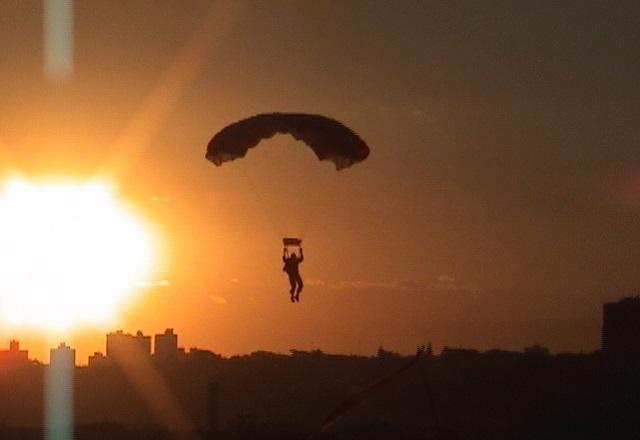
(328, 138)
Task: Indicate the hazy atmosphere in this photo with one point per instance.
(498, 208)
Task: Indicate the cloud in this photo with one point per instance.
(218, 300)
(440, 284)
(155, 283)
(359, 284)
(315, 282)
(160, 199)
(401, 111)
(446, 279)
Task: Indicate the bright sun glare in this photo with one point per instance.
(70, 253)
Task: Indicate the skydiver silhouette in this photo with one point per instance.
(291, 263)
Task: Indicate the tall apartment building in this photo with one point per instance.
(166, 345)
(125, 345)
(621, 328)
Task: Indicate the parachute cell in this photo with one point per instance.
(329, 139)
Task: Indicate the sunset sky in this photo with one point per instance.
(498, 208)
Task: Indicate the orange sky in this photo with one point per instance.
(492, 211)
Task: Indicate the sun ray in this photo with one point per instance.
(153, 389)
(163, 98)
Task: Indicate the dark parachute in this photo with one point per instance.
(328, 138)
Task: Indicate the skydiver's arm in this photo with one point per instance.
(284, 255)
(301, 255)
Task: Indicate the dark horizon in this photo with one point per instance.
(457, 394)
(157, 339)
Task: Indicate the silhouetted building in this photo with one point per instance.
(200, 355)
(536, 351)
(58, 420)
(458, 353)
(13, 356)
(166, 345)
(621, 328)
(429, 351)
(63, 354)
(125, 344)
(97, 359)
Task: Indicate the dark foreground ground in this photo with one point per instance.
(461, 394)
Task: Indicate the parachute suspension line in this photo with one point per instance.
(271, 220)
(277, 221)
(316, 214)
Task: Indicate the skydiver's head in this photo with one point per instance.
(293, 255)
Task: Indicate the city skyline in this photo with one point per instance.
(140, 386)
(620, 326)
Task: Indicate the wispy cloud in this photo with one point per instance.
(156, 283)
(160, 199)
(218, 300)
(441, 283)
(404, 111)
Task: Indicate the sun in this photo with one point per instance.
(70, 253)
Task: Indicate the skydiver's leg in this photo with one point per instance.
(300, 286)
(292, 282)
